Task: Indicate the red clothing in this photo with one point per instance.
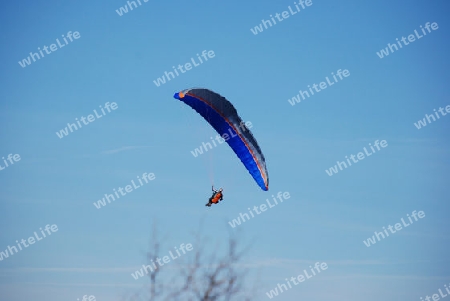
(215, 199)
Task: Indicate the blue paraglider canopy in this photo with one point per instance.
(223, 117)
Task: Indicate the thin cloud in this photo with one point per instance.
(124, 148)
(71, 270)
(88, 284)
(286, 263)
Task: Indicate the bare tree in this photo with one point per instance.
(199, 276)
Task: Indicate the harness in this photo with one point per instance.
(216, 197)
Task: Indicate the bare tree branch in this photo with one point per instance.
(199, 276)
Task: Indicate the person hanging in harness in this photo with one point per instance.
(216, 197)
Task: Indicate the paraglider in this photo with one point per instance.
(223, 117)
(216, 197)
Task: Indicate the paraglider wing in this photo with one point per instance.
(223, 117)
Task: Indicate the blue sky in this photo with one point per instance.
(326, 219)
